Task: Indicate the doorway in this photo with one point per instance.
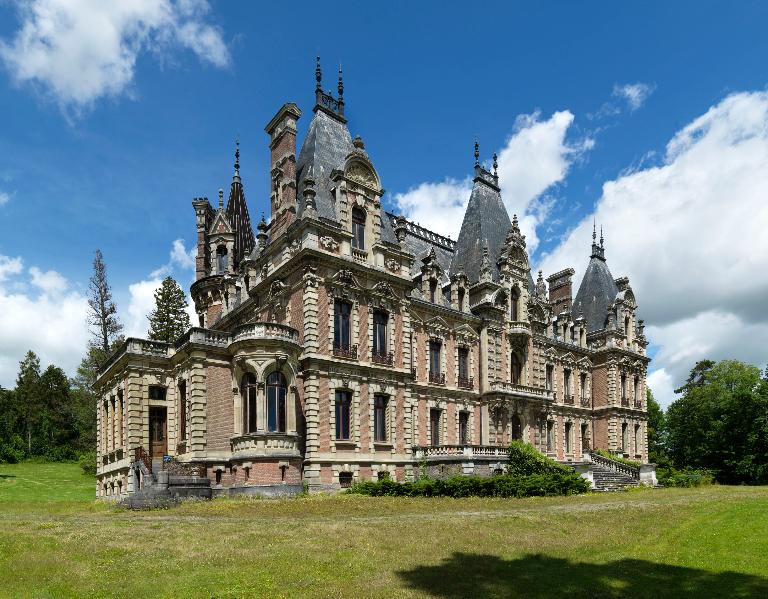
(158, 432)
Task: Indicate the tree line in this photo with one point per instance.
(719, 424)
(51, 416)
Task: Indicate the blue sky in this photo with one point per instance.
(110, 155)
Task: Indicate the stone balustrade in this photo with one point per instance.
(463, 451)
(263, 443)
(265, 330)
(522, 390)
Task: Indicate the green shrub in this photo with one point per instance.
(613, 456)
(533, 485)
(524, 460)
(87, 462)
(689, 477)
(12, 450)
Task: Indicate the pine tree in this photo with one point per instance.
(27, 396)
(169, 320)
(103, 312)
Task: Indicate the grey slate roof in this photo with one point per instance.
(325, 147)
(486, 222)
(596, 292)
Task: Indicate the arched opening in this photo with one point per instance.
(358, 228)
(517, 428)
(432, 290)
(461, 294)
(248, 389)
(276, 393)
(516, 369)
(221, 259)
(626, 326)
(515, 305)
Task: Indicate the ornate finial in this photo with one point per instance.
(318, 74)
(358, 143)
(262, 223)
(237, 157)
(477, 153)
(514, 222)
(594, 231)
(341, 84)
(495, 166)
(221, 198)
(601, 236)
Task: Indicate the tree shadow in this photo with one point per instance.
(475, 575)
(7, 476)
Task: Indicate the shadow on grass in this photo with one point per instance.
(474, 575)
(7, 476)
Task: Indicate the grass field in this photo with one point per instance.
(55, 541)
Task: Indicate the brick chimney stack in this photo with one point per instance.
(282, 145)
(561, 290)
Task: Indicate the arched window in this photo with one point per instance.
(221, 259)
(380, 320)
(515, 370)
(517, 427)
(248, 393)
(626, 326)
(276, 391)
(358, 228)
(515, 305)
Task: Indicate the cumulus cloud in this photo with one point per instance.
(535, 157)
(38, 311)
(690, 233)
(4, 198)
(634, 94)
(78, 51)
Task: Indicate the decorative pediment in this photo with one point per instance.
(536, 311)
(584, 363)
(277, 288)
(567, 358)
(551, 354)
(345, 278)
(220, 224)
(383, 289)
(362, 173)
(466, 334)
(436, 326)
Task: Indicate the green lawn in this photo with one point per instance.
(56, 542)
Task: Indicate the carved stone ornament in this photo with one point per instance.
(359, 173)
(329, 244)
(392, 264)
(276, 288)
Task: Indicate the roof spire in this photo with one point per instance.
(318, 74)
(341, 83)
(221, 199)
(495, 166)
(601, 237)
(477, 153)
(236, 176)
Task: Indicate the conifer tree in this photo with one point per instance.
(27, 395)
(169, 320)
(103, 312)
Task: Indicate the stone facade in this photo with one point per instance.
(343, 342)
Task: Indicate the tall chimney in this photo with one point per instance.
(282, 145)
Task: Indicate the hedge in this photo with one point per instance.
(533, 485)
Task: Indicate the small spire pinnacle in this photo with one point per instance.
(221, 198)
(237, 157)
(477, 153)
(318, 74)
(495, 166)
(341, 83)
(594, 231)
(601, 236)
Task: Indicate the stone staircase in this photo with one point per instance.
(608, 479)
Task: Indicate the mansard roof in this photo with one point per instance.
(237, 214)
(597, 290)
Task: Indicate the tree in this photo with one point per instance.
(721, 422)
(56, 435)
(169, 320)
(656, 430)
(103, 312)
(27, 396)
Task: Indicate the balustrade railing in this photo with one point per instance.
(638, 404)
(469, 451)
(345, 351)
(625, 401)
(140, 455)
(382, 359)
(568, 400)
(584, 402)
(615, 465)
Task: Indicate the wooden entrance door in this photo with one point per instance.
(158, 432)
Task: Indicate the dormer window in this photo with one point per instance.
(221, 259)
(461, 299)
(358, 228)
(515, 305)
(432, 290)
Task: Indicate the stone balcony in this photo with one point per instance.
(508, 388)
(254, 331)
(519, 327)
(459, 451)
(265, 444)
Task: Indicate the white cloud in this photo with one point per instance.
(690, 233)
(39, 313)
(535, 157)
(4, 198)
(181, 257)
(78, 51)
(635, 94)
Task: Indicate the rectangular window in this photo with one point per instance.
(434, 357)
(463, 363)
(463, 428)
(156, 392)
(343, 403)
(584, 440)
(550, 376)
(275, 408)
(637, 439)
(380, 333)
(358, 229)
(434, 425)
(623, 387)
(566, 383)
(182, 410)
(380, 418)
(636, 390)
(568, 427)
(341, 311)
(550, 433)
(583, 385)
(624, 439)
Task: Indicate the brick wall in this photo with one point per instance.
(220, 416)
